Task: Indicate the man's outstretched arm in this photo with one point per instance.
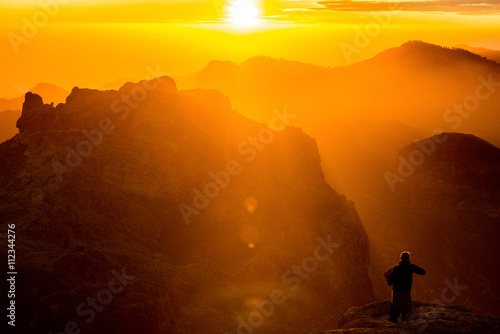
(418, 270)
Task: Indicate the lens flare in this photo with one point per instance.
(251, 204)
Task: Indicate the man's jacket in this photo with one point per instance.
(401, 276)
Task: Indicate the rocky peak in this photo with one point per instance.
(455, 157)
(451, 170)
(459, 148)
(162, 85)
(35, 114)
(32, 101)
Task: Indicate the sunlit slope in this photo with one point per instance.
(111, 179)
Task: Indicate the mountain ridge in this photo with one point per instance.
(488, 53)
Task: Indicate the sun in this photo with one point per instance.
(243, 12)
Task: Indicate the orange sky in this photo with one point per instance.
(90, 43)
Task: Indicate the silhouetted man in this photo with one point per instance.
(401, 277)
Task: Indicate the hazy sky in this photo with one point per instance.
(320, 6)
(94, 42)
(196, 10)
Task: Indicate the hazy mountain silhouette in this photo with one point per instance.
(50, 92)
(415, 83)
(488, 53)
(12, 103)
(117, 206)
(116, 84)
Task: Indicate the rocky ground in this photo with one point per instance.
(424, 318)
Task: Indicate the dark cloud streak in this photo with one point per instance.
(474, 7)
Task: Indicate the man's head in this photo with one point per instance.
(405, 256)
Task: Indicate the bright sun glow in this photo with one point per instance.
(243, 12)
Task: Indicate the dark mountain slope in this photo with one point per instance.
(102, 187)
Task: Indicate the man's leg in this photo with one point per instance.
(394, 314)
(403, 316)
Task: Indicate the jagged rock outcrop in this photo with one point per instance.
(215, 221)
(35, 115)
(424, 318)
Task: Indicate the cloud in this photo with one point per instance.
(471, 7)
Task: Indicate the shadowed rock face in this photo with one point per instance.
(94, 187)
(424, 318)
(462, 166)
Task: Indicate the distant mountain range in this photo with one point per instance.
(321, 96)
(415, 83)
(52, 93)
(488, 53)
